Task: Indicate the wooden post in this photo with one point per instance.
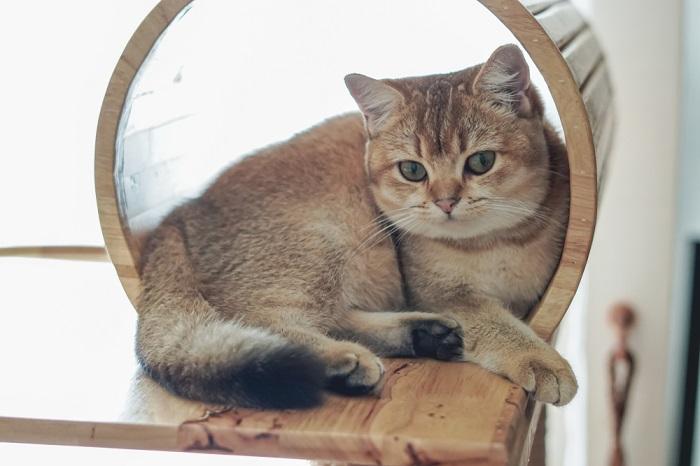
(621, 366)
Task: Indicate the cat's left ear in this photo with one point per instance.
(378, 101)
(505, 77)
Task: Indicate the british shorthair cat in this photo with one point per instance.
(425, 226)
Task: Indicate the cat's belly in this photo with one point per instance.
(515, 275)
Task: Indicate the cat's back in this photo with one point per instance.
(316, 174)
(320, 161)
(292, 215)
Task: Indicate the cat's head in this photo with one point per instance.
(458, 155)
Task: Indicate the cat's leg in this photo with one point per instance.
(498, 341)
(397, 334)
(351, 368)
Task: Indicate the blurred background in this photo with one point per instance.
(67, 328)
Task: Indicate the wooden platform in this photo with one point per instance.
(429, 413)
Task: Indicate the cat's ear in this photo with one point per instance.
(377, 100)
(505, 77)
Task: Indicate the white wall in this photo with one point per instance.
(688, 209)
(57, 58)
(632, 254)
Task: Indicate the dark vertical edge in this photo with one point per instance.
(688, 420)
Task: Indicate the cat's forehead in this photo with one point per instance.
(445, 119)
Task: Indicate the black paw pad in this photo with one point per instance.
(434, 339)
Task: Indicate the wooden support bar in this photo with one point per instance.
(561, 22)
(582, 54)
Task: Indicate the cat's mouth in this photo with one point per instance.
(468, 211)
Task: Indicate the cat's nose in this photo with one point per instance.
(447, 204)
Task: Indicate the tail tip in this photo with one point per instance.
(290, 376)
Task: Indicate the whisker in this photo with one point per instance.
(551, 172)
(384, 217)
(406, 230)
(384, 231)
(514, 210)
(382, 234)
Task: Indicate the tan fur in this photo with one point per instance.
(295, 246)
(493, 256)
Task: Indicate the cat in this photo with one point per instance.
(422, 227)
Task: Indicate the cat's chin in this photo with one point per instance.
(451, 229)
(459, 229)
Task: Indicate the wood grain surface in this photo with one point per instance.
(428, 413)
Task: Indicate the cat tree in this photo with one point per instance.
(428, 412)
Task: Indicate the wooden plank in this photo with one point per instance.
(597, 95)
(537, 6)
(604, 147)
(428, 412)
(538, 451)
(561, 22)
(76, 253)
(88, 434)
(582, 54)
(603, 137)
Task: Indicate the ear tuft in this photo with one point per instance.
(377, 100)
(505, 77)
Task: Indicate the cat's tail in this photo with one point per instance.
(189, 349)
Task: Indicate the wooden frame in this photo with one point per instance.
(556, 34)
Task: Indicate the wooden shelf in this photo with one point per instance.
(429, 413)
(68, 386)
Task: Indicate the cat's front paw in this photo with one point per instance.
(354, 371)
(438, 337)
(545, 374)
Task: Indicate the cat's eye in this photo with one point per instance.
(481, 162)
(412, 171)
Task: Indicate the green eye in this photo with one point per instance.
(412, 171)
(481, 162)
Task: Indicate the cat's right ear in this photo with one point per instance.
(505, 78)
(377, 100)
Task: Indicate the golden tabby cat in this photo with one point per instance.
(423, 227)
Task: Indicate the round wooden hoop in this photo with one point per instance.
(544, 52)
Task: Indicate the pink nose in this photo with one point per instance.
(447, 204)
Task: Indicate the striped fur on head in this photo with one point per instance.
(439, 121)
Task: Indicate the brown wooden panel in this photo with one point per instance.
(597, 95)
(582, 54)
(537, 6)
(427, 412)
(604, 134)
(604, 145)
(77, 253)
(561, 22)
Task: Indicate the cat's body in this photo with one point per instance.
(288, 274)
(276, 243)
